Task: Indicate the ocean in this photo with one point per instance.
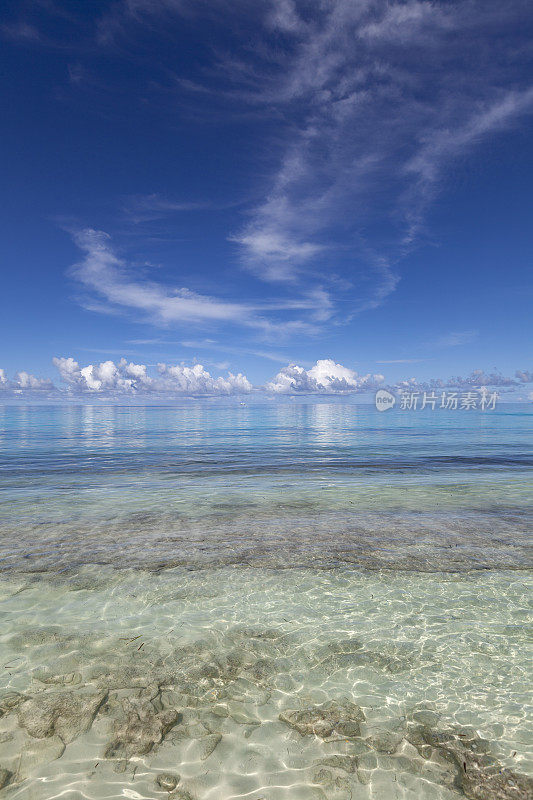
(270, 601)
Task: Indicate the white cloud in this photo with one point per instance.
(399, 361)
(275, 254)
(367, 105)
(23, 382)
(104, 272)
(325, 377)
(107, 376)
(147, 208)
(328, 377)
(407, 21)
(438, 147)
(21, 31)
(196, 380)
(110, 380)
(108, 276)
(477, 379)
(129, 378)
(454, 339)
(371, 102)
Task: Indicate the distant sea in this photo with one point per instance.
(269, 601)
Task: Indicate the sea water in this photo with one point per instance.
(273, 601)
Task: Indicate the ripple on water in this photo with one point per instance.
(235, 682)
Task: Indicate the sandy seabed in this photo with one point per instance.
(266, 684)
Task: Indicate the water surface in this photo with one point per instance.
(266, 601)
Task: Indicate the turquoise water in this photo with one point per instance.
(267, 601)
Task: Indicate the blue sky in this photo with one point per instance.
(251, 185)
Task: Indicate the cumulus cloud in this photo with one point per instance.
(477, 379)
(126, 377)
(196, 380)
(106, 376)
(24, 382)
(326, 377)
(110, 380)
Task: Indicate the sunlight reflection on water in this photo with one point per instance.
(183, 589)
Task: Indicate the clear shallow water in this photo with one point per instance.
(179, 586)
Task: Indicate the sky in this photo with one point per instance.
(215, 197)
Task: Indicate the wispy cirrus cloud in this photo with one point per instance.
(20, 31)
(454, 339)
(371, 103)
(209, 344)
(113, 288)
(147, 208)
(103, 272)
(213, 345)
(399, 361)
(380, 97)
(361, 110)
